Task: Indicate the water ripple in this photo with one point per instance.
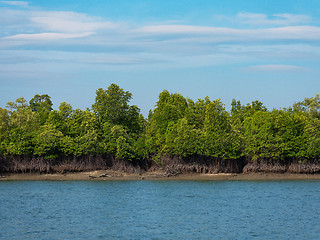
(160, 210)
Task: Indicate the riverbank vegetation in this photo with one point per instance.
(178, 131)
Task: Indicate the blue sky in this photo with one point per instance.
(267, 50)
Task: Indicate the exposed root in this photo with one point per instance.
(171, 166)
(293, 166)
(200, 164)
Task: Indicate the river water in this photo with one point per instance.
(160, 210)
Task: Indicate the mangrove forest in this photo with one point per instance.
(179, 134)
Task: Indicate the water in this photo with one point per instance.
(160, 210)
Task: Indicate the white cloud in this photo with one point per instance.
(21, 25)
(291, 33)
(277, 68)
(180, 29)
(127, 59)
(14, 57)
(274, 51)
(16, 3)
(32, 24)
(69, 22)
(36, 25)
(163, 44)
(47, 36)
(226, 34)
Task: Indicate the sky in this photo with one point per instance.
(266, 50)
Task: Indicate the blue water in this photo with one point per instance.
(160, 210)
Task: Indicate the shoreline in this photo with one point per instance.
(103, 175)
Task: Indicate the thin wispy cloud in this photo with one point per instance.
(47, 36)
(225, 34)
(31, 24)
(70, 22)
(163, 43)
(16, 3)
(117, 60)
(48, 25)
(277, 68)
(37, 25)
(284, 19)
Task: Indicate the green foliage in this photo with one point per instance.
(124, 149)
(112, 105)
(18, 104)
(4, 123)
(216, 118)
(42, 105)
(68, 146)
(169, 109)
(19, 142)
(220, 140)
(38, 102)
(272, 135)
(47, 142)
(80, 123)
(20, 123)
(196, 112)
(87, 144)
(139, 146)
(310, 144)
(182, 139)
(309, 105)
(65, 111)
(257, 130)
(4, 130)
(177, 126)
(240, 112)
(180, 127)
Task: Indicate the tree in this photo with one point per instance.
(42, 105)
(47, 142)
(62, 118)
(21, 116)
(309, 105)
(309, 144)
(4, 122)
(220, 140)
(257, 131)
(22, 126)
(87, 144)
(272, 135)
(112, 105)
(20, 103)
(40, 101)
(4, 130)
(183, 140)
(312, 136)
(196, 112)
(65, 110)
(169, 109)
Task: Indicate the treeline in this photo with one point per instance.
(177, 127)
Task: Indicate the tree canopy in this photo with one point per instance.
(177, 127)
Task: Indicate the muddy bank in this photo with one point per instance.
(103, 175)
